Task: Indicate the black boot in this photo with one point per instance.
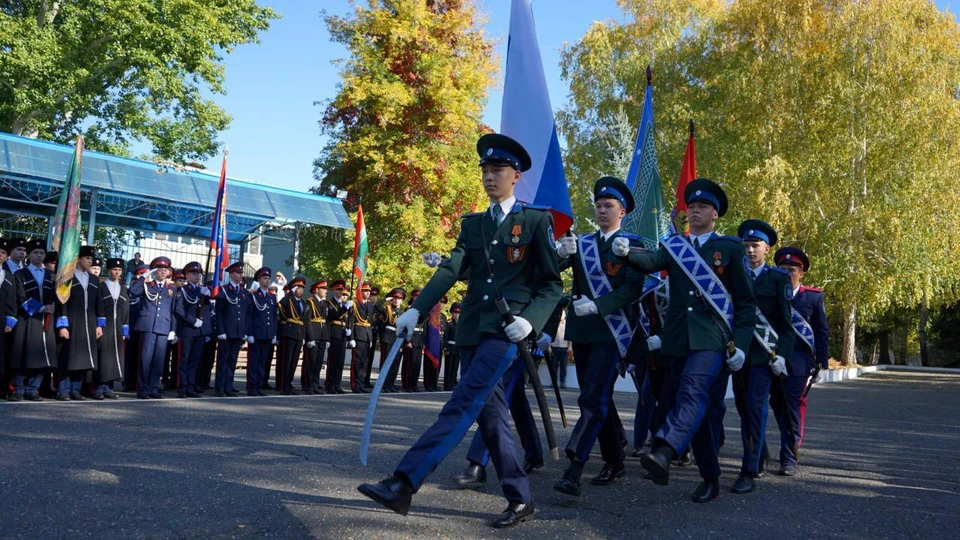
(473, 478)
(608, 474)
(570, 483)
(707, 490)
(514, 514)
(392, 493)
(657, 463)
(744, 484)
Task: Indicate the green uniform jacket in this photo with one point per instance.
(691, 324)
(773, 291)
(524, 266)
(627, 283)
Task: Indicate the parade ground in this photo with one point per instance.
(881, 459)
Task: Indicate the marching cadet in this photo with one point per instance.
(263, 332)
(208, 353)
(156, 325)
(413, 353)
(451, 355)
(317, 337)
(232, 310)
(337, 314)
(389, 312)
(16, 255)
(131, 368)
(376, 301)
(362, 316)
(34, 349)
(709, 322)
(768, 354)
(79, 325)
(195, 325)
(8, 314)
(601, 325)
(115, 308)
(509, 250)
(171, 364)
(809, 359)
(292, 332)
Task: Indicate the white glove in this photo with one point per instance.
(518, 329)
(818, 376)
(198, 323)
(406, 322)
(274, 341)
(222, 337)
(544, 342)
(204, 291)
(205, 340)
(347, 332)
(654, 343)
(584, 306)
(566, 246)
(736, 361)
(328, 344)
(311, 344)
(353, 344)
(631, 368)
(171, 336)
(348, 305)
(621, 246)
(432, 259)
(779, 366)
(250, 339)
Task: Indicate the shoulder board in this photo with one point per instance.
(736, 239)
(535, 207)
(474, 214)
(779, 270)
(811, 289)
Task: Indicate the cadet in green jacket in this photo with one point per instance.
(505, 251)
(770, 350)
(710, 320)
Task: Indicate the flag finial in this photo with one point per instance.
(649, 75)
(226, 150)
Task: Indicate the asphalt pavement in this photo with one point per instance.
(880, 459)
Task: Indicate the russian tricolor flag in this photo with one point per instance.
(527, 117)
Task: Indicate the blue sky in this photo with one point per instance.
(272, 87)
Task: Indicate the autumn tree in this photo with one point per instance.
(402, 132)
(121, 70)
(835, 121)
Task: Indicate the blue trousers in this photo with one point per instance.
(70, 381)
(784, 406)
(522, 419)
(153, 351)
(598, 416)
(689, 382)
(258, 355)
(190, 349)
(751, 390)
(479, 397)
(645, 420)
(27, 381)
(227, 352)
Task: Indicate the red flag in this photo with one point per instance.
(219, 248)
(688, 171)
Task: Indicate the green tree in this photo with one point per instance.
(402, 132)
(834, 121)
(121, 70)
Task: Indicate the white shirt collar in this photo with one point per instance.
(606, 236)
(702, 238)
(506, 205)
(758, 270)
(795, 292)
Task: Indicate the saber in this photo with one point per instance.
(375, 397)
(534, 377)
(552, 367)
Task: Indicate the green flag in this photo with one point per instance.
(648, 219)
(360, 250)
(66, 225)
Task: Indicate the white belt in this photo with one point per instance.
(388, 327)
(451, 343)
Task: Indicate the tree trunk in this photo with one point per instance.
(848, 355)
(884, 348)
(922, 335)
